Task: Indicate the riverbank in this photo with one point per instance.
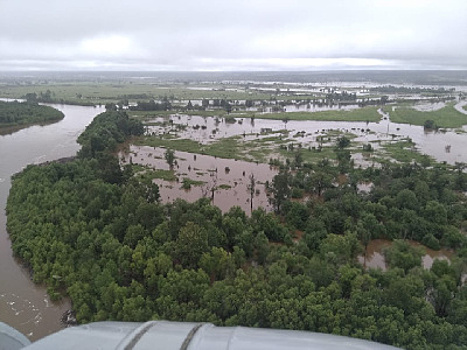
(15, 116)
(24, 305)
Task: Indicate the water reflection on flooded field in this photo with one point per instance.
(448, 145)
(229, 188)
(224, 180)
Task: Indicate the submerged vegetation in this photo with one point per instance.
(96, 231)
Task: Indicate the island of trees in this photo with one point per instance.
(19, 114)
(92, 230)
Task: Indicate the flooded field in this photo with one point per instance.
(374, 254)
(225, 181)
(257, 140)
(446, 145)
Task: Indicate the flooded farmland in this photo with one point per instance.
(225, 181)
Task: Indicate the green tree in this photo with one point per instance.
(190, 245)
(401, 254)
(169, 156)
(251, 189)
(280, 190)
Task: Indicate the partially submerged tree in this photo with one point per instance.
(170, 157)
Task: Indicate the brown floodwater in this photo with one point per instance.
(206, 130)
(224, 180)
(211, 170)
(23, 304)
(374, 258)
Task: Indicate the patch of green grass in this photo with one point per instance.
(273, 132)
(184, 145)
(334, 134)
(312, 156)
(404, 151)
(145, 115)
(187, 183)
(268, 139)
(362, 114)
(166, 175)
(138, 167)
(224, 187)
(446, 117)
(308, 155)
(228, 147)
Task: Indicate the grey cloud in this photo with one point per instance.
(253, 34)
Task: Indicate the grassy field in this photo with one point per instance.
(362, 114)
(166, 175)
(369, 114)
(187, 182)
(101, 93)
(144, 115)
(446, 117)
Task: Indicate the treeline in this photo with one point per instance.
(121, 255)
(106, 131)
(152, 105)
(49, 97)
(387, 89)
(22, 113)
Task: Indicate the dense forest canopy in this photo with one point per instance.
(92, 230)
(21, 113)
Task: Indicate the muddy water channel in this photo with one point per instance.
(374, 254)
(24, 305)
(225, 181)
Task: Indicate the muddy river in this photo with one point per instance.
(24, 305)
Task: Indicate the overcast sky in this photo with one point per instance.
(232, 34)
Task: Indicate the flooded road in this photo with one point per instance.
(24, 305)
